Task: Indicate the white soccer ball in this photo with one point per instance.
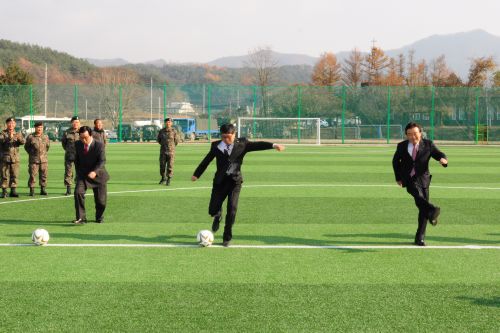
(40, 237)
(205, 238)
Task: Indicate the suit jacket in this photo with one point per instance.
(403, 163)
(94, 160)
(230, 166)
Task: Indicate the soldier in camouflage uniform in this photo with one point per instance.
(168, 138)
(9, 145)
(69, 138)
(37, 145)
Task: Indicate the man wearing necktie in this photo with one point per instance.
(90, 173)
(411, 169)
(229, 153)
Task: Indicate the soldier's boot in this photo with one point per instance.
(32, 191)
(68, 190)
(162, 180)
(13, 193)
(4, 193)
(168, 181)
(43, 190)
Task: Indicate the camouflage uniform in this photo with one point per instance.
(10, 158)
(100, 135)
(69, 138)
(168, 138)
(37, 147)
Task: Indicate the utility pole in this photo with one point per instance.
(151, 100)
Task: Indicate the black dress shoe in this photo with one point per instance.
(420, 243)
(99, 220)
(433, 218)
(216, 223)
(80, 221)
(226, 243)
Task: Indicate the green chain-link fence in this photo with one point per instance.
(346, 114)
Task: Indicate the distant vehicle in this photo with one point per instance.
(61, 128)
(323, 123)
(111, 135)
(149, 132)
(130, 133)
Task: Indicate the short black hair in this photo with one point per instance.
(96, 120)
(38, 124)
(168, 119)
(411, 125)
(84, 129)
(8, 120)
(227, 129)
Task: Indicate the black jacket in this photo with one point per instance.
(402, 162)
(230, 167)
(94, 160)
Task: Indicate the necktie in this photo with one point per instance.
(413, 156)
(85, 149)
(226, 150)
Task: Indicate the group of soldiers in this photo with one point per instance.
(37, 145)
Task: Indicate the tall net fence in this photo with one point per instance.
(347, 114)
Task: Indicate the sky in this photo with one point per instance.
(200, 31)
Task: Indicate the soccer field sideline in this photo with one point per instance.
(258, 186)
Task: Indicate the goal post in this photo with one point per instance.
(289, 130)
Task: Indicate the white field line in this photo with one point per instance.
(341, 247)
(479, 188)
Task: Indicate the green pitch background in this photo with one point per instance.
(303, 196)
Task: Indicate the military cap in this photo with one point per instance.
(74, 118)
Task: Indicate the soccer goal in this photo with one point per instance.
(290, 130)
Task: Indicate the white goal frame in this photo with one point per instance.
(317, 120)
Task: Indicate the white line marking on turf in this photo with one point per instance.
(261, 186)
(340, 247)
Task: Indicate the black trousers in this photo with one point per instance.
(420, 192)
(100, 196)
(227, 189)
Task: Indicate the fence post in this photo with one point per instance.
(343, 111)
(31, 107)
(209, 133)
(433, 113)
(476, 120)
(120, 114)
(299, 111)
(164, 101)
(75, 93)
(254, 124)
(388, 114)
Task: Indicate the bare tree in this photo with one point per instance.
(326, 71)
(439, 71)
(352, 69)
(262, 61)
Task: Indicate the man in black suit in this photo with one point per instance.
(90, 173)
(229, 153)
(411, 169)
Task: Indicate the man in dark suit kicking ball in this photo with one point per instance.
(411, 169)
(90, 173)
(229, 153)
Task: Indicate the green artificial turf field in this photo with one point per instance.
(290, 202)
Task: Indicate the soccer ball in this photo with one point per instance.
(205, 238)
(40, 237)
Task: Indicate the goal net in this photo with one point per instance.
(290, 130)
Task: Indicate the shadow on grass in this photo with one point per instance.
(385, 239)
(493, 302)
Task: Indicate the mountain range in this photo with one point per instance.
(458, 48)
